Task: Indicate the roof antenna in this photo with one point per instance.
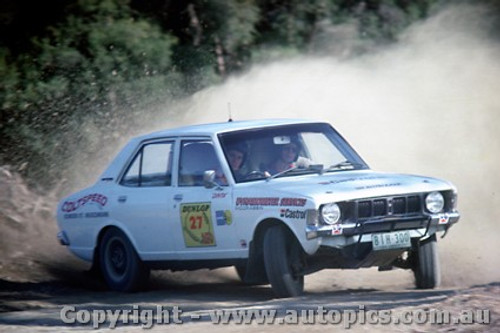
(229, 111)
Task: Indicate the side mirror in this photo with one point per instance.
(209, 179)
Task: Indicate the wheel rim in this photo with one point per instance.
(116, 258)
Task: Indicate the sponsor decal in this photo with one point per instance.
(91, 215)
(259, 203)
(94, 215)
(348, 180)
(244, 203)
(443, 219)
(223, 217)
(197, 227)
(95, 198)
(73, 216)
(296, 202)
(293, 214)
(336, 229)
(219, 195)
(377, 186)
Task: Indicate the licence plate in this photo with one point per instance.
(391, 240)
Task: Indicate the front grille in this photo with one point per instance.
(414, 204)
(399, 205)
(386, 214)
(390, 206)
(364, 209)
(379, 207)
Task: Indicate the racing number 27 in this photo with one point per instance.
(195, 222)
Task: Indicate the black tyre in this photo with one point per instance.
(283, 262)
(426, 264)
(121, 267)
(241, 270)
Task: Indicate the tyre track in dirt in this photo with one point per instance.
(37, 306)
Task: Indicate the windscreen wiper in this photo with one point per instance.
(344, 165)
(281, 173)
(318, 168)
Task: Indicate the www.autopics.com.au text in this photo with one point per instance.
(161, 315)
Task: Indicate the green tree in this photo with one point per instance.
(215, 37)
(102, 64)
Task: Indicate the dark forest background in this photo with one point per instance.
(114, 63)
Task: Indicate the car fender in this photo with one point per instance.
(296, 228)
(118, 225)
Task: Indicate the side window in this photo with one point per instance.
(152, 166)
(197, 157)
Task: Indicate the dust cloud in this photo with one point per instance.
(428, 105)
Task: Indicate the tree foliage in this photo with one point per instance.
(107, 62)
(100, 64)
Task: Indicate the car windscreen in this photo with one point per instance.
(287, 150)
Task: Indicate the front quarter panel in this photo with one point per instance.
(255, 207)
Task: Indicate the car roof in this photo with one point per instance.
(194, 130)
(215, 128)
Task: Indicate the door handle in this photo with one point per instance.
(122, 198)
(178, 197)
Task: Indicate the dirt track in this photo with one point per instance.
(38, 277)
(37, 306)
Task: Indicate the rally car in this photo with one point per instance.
(277, 199)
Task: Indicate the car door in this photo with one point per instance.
(144, 200)
(203, 214)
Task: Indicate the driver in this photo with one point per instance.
(286, 157)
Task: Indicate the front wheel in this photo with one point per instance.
(120, 265)
(241, 270)
(283, 262)
(426, 267)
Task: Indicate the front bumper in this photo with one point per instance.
(340, 235)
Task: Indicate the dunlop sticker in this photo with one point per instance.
(197, 227)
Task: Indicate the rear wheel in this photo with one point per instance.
(426, 267)
(121, 267)
(283, 262)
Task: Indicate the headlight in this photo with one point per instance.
(434, 202)
(330, 213)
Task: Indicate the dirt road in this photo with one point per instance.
(38, 306)
(39, 279)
